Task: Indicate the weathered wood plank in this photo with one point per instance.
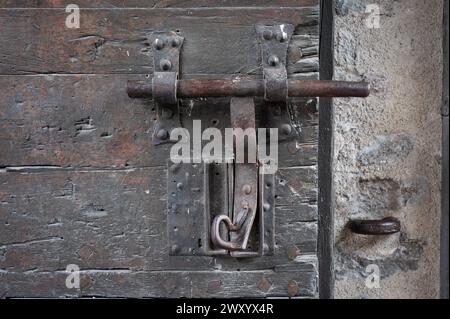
(154, 3)
(103, 204)
(89, 121)
(74, 121)
(178, 284)
(103, 219)
(115, 41)
(296, 185)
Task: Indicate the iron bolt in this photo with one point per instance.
(175, 42)
(247, 189)
(158, 44)
(286, 129)
(165, 65)
(273, 60)
(267, 34)
(162, 134)
(180, 185)
(266, 207)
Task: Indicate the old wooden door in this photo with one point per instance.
(81, 183)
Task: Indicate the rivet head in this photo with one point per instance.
(246, 189)
(281, 36)
(273, 60)
(175, 42)
(266, 207)
(180, 185)
(267, 34)
(162, 134)
(165, 65)
(286, 129)
(158, 44)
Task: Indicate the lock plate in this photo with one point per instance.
(196, 194)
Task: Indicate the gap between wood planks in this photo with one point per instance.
(46, 168)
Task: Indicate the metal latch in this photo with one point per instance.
(228, 208)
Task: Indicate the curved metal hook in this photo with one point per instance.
(215, 230)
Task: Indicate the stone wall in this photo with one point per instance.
(388, 146)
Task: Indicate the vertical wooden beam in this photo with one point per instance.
(326, 189)
(445, 168)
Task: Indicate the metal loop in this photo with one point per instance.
(386, 226)
(164, 86)
(275, 84)
(215, 230)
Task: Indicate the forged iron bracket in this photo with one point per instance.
(245, 194)
(166, 66)
(274, 42)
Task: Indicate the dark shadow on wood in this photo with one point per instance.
(326, 193)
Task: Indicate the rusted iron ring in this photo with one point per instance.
(386, 226)
(164, 87)
(275, 84)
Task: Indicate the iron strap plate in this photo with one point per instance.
(242, 113)
(274, 42)
(166, 65)
(189, 211)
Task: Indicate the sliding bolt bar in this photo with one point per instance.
(198, 88)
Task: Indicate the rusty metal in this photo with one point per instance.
(216, 237)
(189, 207)
(275, 84)
(245, 201)
(166, 64)
(164, 86)
(250, 86)
(386, 226)
(273, 59)
(276, 88)
(267, 213)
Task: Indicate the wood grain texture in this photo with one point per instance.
(80, 182)
(105, 218)
(115, 41)
(118, 4)
(198, 284)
